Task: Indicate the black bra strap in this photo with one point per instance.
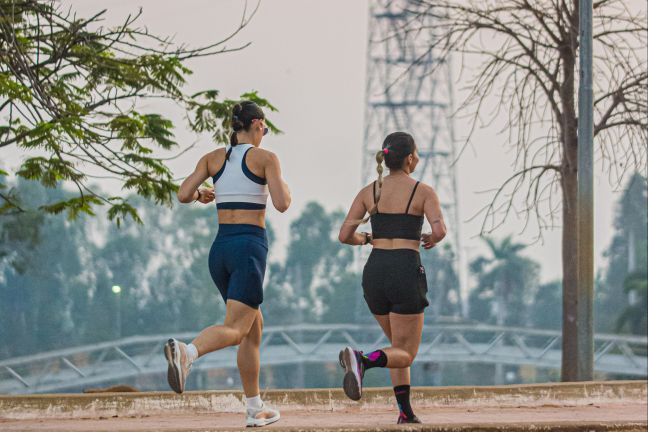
(374, 195)
(411, 196)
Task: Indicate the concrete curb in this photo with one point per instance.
(109, 404)
(520, 427)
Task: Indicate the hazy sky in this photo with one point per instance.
(308, 58)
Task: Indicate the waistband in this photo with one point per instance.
(228, 230)
(404, 252)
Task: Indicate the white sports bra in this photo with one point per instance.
(235, 186)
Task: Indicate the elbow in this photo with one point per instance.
(441, 234)
(282, 205)
(184, 197)
(344, 238)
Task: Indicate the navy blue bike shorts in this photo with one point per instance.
(237, 262)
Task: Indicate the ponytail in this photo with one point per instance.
(380, 157)
(242, 115)
(233, 139)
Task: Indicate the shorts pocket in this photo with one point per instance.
(422, 285)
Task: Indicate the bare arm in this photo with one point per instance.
(432, 209)
(348, 234)
(188, 190)
(279, 192)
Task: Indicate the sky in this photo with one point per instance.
(308, 58)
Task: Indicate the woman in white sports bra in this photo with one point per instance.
(243, 175)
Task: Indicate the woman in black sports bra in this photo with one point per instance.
(393, 279)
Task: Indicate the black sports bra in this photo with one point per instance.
(396, 225)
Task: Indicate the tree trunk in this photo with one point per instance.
(569, 184)
(570, 277)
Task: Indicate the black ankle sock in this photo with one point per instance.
(374, 359)
(402, 393)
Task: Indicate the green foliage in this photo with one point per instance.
(546, 310)
(212, 115)
(316, 282)
(56, 276)
(506, 286)
(442, 282)
(627, 259)
(635, 315)
(69, 96)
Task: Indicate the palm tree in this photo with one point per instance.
(506, 281)
(634, 315)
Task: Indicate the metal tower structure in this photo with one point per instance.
(409, 90)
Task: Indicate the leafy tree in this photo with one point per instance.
(38, 281)
(507, 283)
(60, 294)
(340, 287)
(162, 269)
(342, 299)
(546, 309)
(317, 281)
(634, 316)
(312, 243)
(70, 94)
(442, 281)
(279, 305)
(529, 62)
(626, 254)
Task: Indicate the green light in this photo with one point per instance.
(116, 289)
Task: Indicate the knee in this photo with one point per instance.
(237, 335)
(408, 354)
(410, 359)
(412, 356)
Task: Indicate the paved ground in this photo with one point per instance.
(593, 417)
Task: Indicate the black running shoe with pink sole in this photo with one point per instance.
(351, 361)
(403, 419)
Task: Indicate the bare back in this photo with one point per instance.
(394, 197)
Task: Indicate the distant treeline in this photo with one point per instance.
(56, 276)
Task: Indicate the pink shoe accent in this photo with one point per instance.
(373, 356)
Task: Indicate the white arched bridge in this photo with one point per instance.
(134, 356)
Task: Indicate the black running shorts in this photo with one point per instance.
(394, 280)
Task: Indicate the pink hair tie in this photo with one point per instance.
(386, 151)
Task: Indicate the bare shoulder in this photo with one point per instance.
(366, 193)
(214, 159)
(217, 154)
(368, 188)
(428, 191)
(263, 155)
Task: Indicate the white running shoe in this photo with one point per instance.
(262, 416)
(179, 364)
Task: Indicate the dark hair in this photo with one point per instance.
(395, 149)
(399, 145)
(242, 115)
